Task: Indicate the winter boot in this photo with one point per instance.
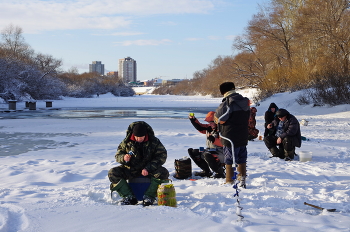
(201, 163)
(220, 173)
(124, 190)
(275, 152)
(242, 173)
(151, 193)
(229, 174)
(130, 200)
(289, 155)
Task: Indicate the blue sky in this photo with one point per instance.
(167, 38)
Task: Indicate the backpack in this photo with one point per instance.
(183, 168)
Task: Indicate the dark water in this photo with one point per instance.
(132, 112)
(19, 143)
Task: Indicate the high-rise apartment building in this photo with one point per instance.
(127, 69)
(98, 67)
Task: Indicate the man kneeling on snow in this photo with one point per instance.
(140, 153)
(284, 133)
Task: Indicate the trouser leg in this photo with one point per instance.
(289, 148)
(198, 160)
(271, 143)
(213, 161)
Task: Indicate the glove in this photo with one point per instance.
(209, 129)
(211, 138)
(192, 119)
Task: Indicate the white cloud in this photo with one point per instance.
(144, 42)
(230, 37)
(40, 15)
(213, 37)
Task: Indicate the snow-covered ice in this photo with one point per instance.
(54, 173)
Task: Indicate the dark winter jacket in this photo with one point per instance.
(232, 118)
(149, 155)
(291, 128)
(269, 117)
(208, 131)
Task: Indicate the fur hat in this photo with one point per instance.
(281, 113)
(226, 86)
(139, 130)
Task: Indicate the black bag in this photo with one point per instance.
(183, 168)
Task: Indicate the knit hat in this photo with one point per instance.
(226, 86)
(210, 117)
(139, 130)
(281, 113)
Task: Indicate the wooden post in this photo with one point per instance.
(32, 105)
(48, 103)
(12, 104)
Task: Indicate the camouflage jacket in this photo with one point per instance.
(153, 153)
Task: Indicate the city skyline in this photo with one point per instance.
(170, 39)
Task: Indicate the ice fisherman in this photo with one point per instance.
(252, 131)
(212, 157)
(284, 133)
(270, 115)
(140, 153)
(232, 117)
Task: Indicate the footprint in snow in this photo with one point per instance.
(12, 218)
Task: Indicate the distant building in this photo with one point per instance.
(98, 67)
(171, 82)
(157, 82)
(127, 69)
(113, 74)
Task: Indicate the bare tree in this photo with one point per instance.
(14, 45)
(325, 24)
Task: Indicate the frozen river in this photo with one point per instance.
(16, 143)
(105, 112)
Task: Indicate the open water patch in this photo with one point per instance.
(19, 143)
(105, 112)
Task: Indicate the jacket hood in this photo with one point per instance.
(241, 101)
(273, 105)
(150, 131)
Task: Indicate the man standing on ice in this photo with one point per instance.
(232, 117)
(284, 133)
(140, 153)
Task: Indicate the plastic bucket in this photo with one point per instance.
(139, 185)
(305, 156)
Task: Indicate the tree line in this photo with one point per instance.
(288, 45)
(26, 75)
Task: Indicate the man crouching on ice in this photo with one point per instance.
(140, 153)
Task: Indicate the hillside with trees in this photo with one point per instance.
(288, 45)
(26, 75)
